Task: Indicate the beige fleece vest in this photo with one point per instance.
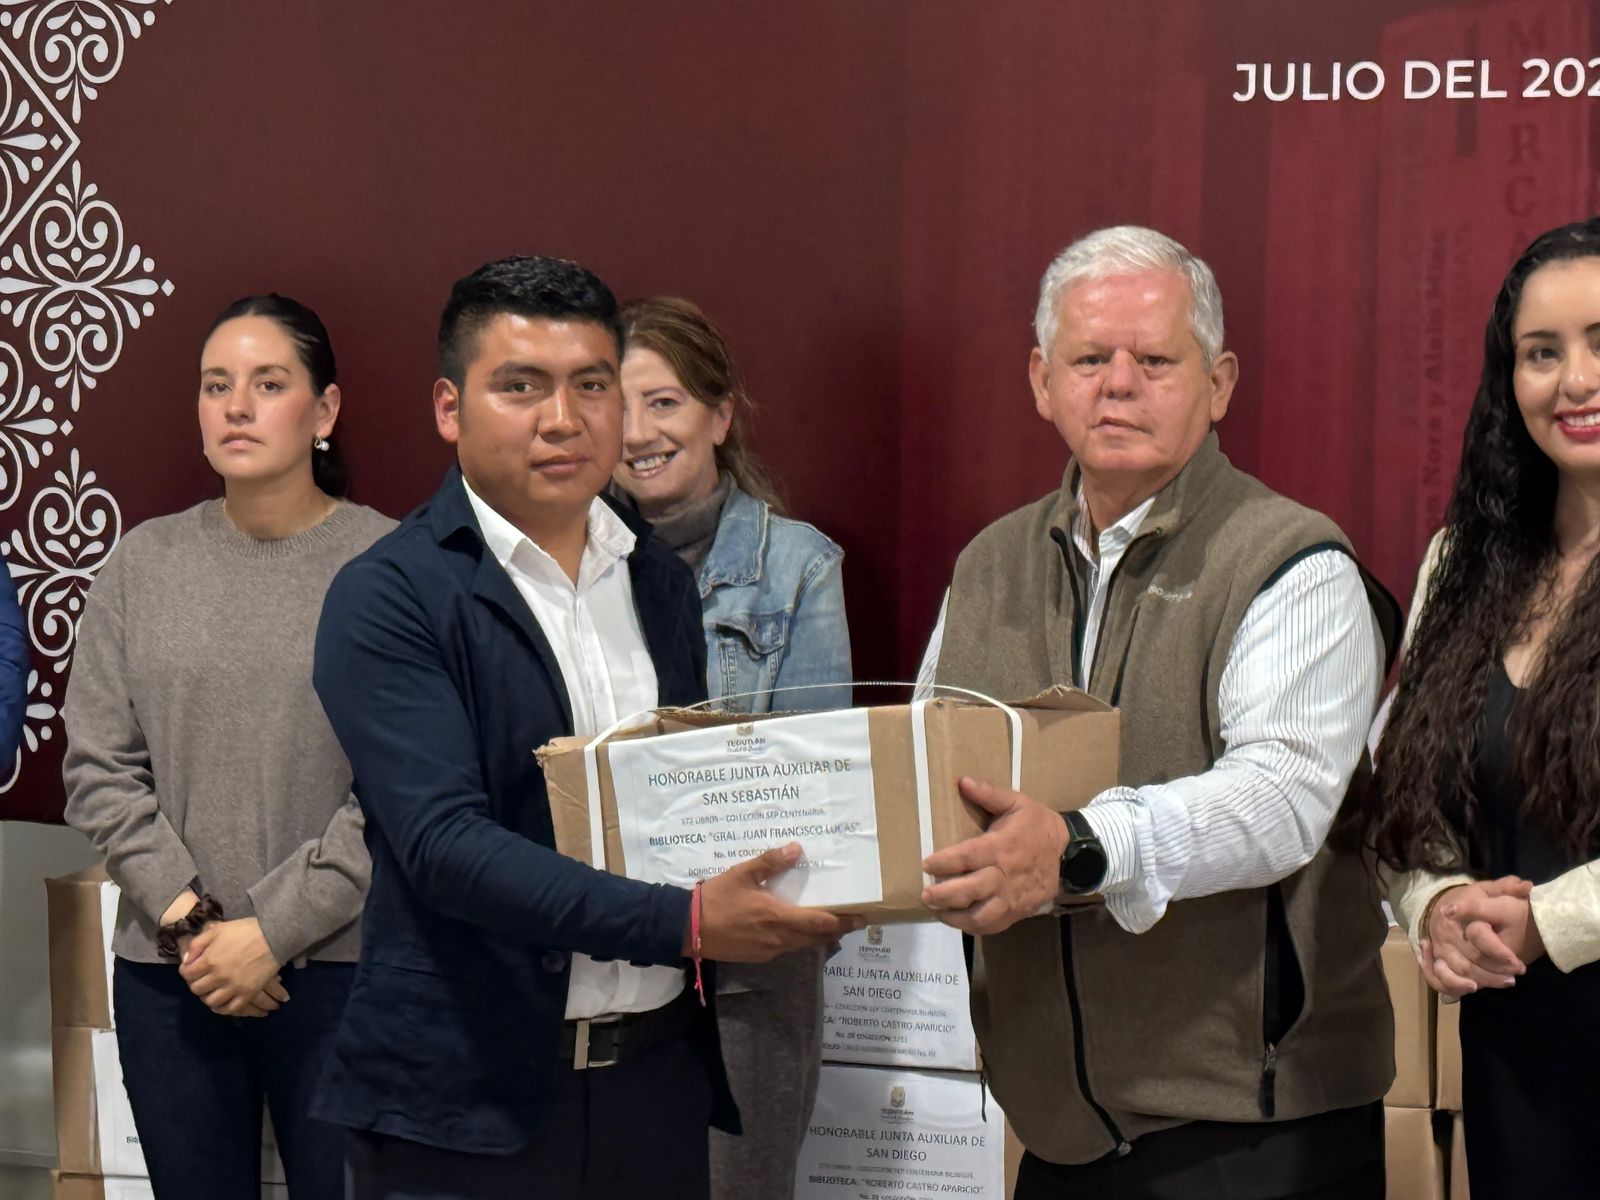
(1092, 1036)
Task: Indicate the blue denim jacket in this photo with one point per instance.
(774, 616)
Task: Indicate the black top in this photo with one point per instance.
(1528, 1052)
(1508, 842)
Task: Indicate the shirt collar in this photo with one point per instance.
(609, 538)
(1116, 537)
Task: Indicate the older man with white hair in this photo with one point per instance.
(1219, 1026)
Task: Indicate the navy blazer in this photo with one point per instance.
(441, 685)
(14, 666)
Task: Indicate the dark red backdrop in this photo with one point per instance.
(864, 195)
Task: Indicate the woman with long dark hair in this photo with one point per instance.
(1487, 793)
(775, 640)
(200, 763)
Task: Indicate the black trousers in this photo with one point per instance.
(1529, 1056)
(197, 1082)
(635, 1131)
(1330, 1156)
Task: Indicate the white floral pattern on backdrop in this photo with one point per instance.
(72, 287)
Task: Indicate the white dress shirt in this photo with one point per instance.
(594, 629)
(1295, 702)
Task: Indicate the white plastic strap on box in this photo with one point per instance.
(591, 772)
(919, 755)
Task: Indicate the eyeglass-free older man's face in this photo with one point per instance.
(1126, 384)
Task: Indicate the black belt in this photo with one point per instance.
(607, 1041)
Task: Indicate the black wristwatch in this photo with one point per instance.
(1083, 863)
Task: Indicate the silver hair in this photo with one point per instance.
(1127, 248)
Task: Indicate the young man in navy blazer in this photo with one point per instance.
(521, 1024)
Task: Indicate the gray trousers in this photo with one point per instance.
(771, 1026)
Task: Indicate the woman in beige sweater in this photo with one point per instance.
(1486, 806)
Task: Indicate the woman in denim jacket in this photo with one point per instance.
(774, 620)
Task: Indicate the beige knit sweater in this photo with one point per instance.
(196, 748)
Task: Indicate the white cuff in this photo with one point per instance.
(1567, 912)
(1110, 815)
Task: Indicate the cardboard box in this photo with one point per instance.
(897, 995)
(898, 1132)
(1458, 1161)
(867, 791)
(1447, 1091)
(1415, 1159)
(82, 915)
(271, 1162)
(96, 1187)
(1413, 1002)
(95, 1131)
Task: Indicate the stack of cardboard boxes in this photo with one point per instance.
(99, 1156)
(1447, 1094)
(1422, 1112)
(97, 1145)
(900, 1106)
(896, 1024)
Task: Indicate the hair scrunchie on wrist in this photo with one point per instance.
(197, 918)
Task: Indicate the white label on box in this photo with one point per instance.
(120, 1152)
(897, 995)
(886, 1133)
(693, 804)
(110, 899)
(271, 1163)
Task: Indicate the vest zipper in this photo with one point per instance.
(1080, 622)
(1269, 1081)
(1068, 970)
(1282, 995)
(1079, 629)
